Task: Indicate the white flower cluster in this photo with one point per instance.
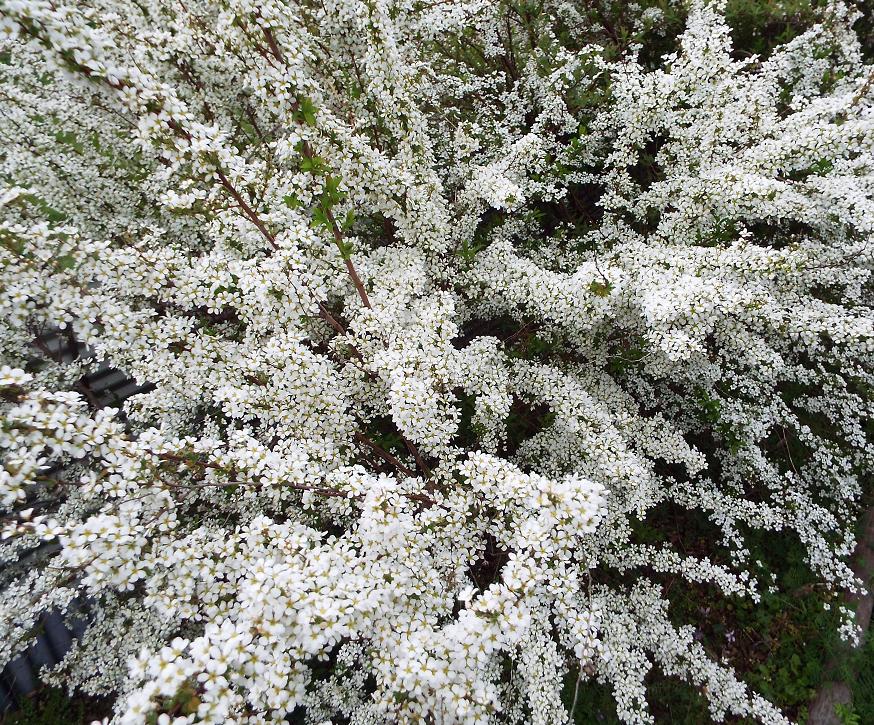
(441, 307)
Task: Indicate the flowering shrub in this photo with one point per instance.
(440, 304)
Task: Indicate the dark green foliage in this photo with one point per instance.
(781, 645)
(594, 702)
(53, 706)
(758, 26)
(860, 676)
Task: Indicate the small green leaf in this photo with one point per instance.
(307, 111)
(320, 218)
(332, 194)
(602, 289)
(332, 184)
(312, 164)
(821, 167)
(66, 262)
(346, 249)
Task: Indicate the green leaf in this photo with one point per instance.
(332, 194)
(602, 289)
(307, 111)
(312, 164)
(332, 184)
(66, 262)
(346, 249)
(821, 167)
(320, 218)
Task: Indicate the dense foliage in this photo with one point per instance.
(483, 338)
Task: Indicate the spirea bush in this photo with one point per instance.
(444, 309)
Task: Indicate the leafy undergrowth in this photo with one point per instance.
(862, 684)
(780, 646)
(53, 706)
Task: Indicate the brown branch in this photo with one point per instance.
(384, 454)
(350, 268)
(247, 210)
(274, 46)
(418, 456)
